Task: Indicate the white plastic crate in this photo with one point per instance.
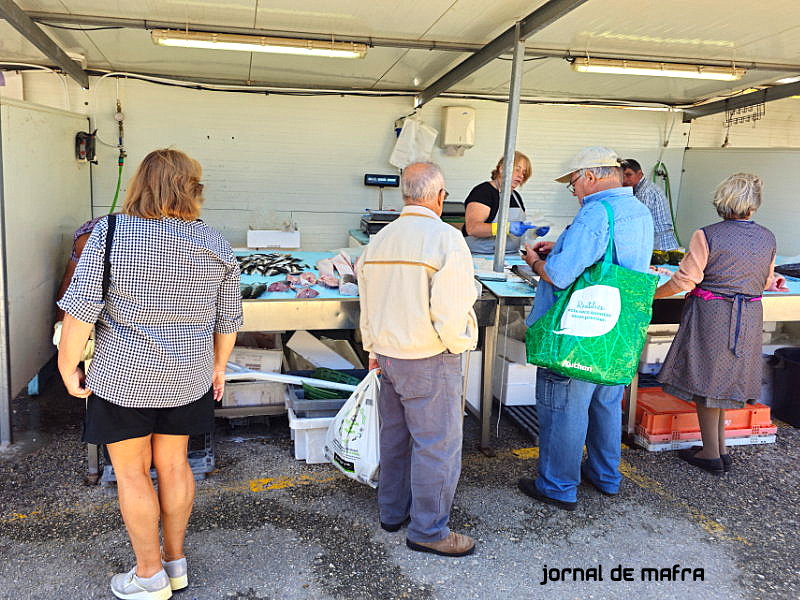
(309, 437)
(681, 444)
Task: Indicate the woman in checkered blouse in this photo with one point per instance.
(164, 331)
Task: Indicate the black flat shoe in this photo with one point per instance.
(727, 462)
(394, 527)
(528, 487)
(712, 465)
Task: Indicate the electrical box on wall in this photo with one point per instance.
(458, 129)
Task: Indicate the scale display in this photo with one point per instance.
(382, 180)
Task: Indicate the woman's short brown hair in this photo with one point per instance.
(519, 157)
(166, 184)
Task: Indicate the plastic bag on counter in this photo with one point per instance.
(352, 443)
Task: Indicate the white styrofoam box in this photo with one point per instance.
(511, 349)
(472, 366)
(770, 326)
(270, 238)
(514, 384)
(654, 352)
(663, 329)
(257, 359)
(253, 393)
(766, 379)
(309, 437)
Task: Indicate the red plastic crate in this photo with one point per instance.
(662, 417)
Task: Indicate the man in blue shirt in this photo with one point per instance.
(649, 194)
(573, 412)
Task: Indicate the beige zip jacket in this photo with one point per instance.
(417, 288)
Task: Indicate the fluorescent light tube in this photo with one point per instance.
(656, 69)
(255, 43)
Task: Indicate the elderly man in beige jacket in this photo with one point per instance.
(417, 290)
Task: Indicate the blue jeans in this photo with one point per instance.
(421, 439)
(572, 412)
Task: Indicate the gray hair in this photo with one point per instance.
(421, 183)
(738, 196)
(602, 172)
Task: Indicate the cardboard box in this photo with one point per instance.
(270, 238)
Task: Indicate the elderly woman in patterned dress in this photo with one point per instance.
(715, 360)
(164, 330)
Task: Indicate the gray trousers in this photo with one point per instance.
(421, 437)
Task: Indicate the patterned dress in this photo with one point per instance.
(715, 359)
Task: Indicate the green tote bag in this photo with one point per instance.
(596, 329)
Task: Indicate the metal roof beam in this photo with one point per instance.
(766, 95)
(17, 18)
(543, 16)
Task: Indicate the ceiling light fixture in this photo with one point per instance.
(788, 80)
(657, 69)
(256, 43)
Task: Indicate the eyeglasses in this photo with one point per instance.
(571, 184)
(446, 193)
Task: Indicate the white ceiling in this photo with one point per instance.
(686, 30)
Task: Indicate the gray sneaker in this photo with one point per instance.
(176, 571)
(130, 587)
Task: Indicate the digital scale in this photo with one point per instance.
(375, 220)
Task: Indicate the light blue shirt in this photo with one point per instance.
(584, 242)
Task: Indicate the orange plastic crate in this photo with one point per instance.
(662, 417)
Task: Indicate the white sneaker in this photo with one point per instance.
(177, 573)
(130, 587)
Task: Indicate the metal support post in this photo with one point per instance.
(512, 120)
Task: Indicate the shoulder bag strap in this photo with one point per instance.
(112, 225)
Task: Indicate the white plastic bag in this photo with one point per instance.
(415, 143)
(352, 442)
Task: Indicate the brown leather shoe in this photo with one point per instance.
(455, 544)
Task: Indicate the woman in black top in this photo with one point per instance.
(483, 203)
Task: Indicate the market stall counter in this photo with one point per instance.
(281, 311)
(778, 307)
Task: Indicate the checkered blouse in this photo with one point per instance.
(173, 284)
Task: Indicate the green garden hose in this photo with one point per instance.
(121, 163)
(660, 170)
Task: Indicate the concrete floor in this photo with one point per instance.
(266, 526)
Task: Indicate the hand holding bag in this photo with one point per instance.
(352, 443)
(596, 329)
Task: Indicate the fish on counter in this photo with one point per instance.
(330, 281)
(307, 292)
(348, 286)
(278, 286)
(270, 264)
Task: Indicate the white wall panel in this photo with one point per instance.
(780, 211)
(306, 155)
(46, 197)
